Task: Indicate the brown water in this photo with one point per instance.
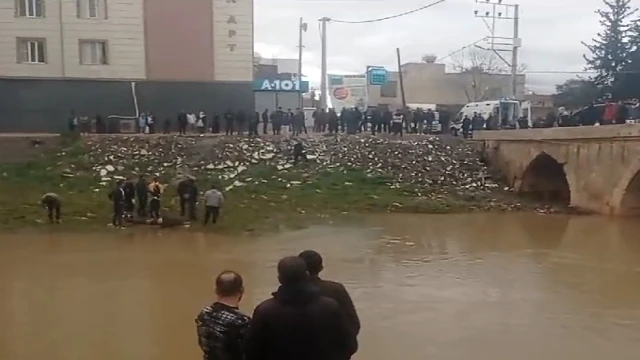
(426, 287)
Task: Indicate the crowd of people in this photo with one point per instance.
(609, 112)
(275, 122)
(307, 317)
(139, 202)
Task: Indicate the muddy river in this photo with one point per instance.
(426, 287)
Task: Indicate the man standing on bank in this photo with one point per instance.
(213, 200)
(117, 197)
(331, 289)
(221, 326)
(298, 323)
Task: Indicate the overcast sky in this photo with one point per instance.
(551, 32)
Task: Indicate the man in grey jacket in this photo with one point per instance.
(213, 200)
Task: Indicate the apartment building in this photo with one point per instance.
(181, 54)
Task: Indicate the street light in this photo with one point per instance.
(303, 28)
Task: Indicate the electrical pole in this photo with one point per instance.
(401, 78)
(504, 44)
(323, 83)
(514, 51)
(302, 29)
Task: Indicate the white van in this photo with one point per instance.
(507, 110)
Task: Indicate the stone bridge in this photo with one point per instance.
(591, 168)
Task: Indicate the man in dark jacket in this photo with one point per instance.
(129, 198)
(265, 121)
(331, 289)
(298, 323)
(229, 119)
(182, 122)
(221, 326)
(117, 197)
(188, 193)
(142, 194)
(241, 120)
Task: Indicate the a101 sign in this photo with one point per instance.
(377, 75)
(280, 85)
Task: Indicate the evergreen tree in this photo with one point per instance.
(576, 93)
(611, 49)
(629, 85)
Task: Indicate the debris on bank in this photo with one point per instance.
(431, 168)
(427, 163)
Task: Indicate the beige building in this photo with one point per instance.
(72, 39)
(190, 40)
(429, 83)
(161, 56)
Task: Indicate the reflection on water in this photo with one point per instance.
(509, 286)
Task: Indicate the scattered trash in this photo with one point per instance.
(430, 168)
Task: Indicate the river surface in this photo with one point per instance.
(487, 286)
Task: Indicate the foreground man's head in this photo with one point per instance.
(313, 260)
(229, 287)
(292, 270)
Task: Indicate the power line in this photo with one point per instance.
(558, 72)
(576, 72)
(389, 17)
(461, 49)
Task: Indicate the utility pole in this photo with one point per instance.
(323, 83)
(500, 43)
(302, 29)
(514, 51)
(401, 78)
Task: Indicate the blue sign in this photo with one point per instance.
(280, 85)
(377, 75)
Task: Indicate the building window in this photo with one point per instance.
(30, 8)
(93, 52)
(389, 89)
(91, 9)
(32, 51)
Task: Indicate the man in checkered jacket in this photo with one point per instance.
(221, 326)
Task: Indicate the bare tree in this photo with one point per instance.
(479, 61)
(476, 67)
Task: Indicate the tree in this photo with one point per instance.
(478, 68)
(576, 93)
(629, 85)
(610, 50)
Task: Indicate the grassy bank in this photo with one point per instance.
(262, 198)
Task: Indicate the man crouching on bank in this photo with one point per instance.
(52, 203)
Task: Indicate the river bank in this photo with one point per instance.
(344, 176)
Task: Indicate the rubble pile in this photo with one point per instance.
(428, 165)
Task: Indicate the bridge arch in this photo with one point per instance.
(545, 179)
(626, 195)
